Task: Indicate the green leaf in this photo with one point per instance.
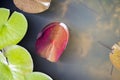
(38, 76)
(17, 61)
(12, 29)
(5, 73)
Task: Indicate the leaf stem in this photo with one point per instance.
(105, 45)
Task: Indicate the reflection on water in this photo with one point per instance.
(89, 21)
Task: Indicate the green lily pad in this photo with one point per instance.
(12, 28)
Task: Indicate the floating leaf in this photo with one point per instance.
(52, 41)
(32, 6)
(12, 29)
(115, 56)
(38, 76)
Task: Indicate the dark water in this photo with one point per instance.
(89, 21)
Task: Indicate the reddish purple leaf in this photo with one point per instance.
(52, 41)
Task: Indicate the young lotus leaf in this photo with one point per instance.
(15, 60)
(38, 76)
(12, 28)
(19, 59)
(5, 73)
